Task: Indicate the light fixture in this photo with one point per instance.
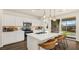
(44, 15)
(54, 17)
(50, 16)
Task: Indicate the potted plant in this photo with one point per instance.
(65, 35)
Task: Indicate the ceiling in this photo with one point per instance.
(40, 12)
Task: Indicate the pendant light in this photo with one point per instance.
(44, 15)
(54, 17)
(50, 17)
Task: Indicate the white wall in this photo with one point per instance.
(77, 27)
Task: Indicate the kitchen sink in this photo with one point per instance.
(41, 33)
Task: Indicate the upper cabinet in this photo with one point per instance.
(15, 20)
(19, 21)
(9, 20)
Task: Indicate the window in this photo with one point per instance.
(69, 26)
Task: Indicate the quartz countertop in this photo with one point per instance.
(43, 36)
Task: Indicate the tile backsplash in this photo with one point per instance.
(9, 28)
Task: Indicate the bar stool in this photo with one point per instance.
(61, 40)
(49, 45)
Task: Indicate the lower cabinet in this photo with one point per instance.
(1, 39)
(12, 37)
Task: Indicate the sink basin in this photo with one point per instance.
(41, 33)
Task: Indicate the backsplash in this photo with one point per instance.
(38, 28)
(9, 28)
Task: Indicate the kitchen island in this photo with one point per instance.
(34, 39)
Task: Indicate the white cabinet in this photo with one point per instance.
(15, 20)
(12, 37)
(9, 20)
(19, 21)
(1, 15)
(9, 37)
(20, 35)
(0, 38)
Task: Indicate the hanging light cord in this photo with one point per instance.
(44, 13)
(54, 13)
(50, 13)
(50, 16)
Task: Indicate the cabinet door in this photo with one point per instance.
(0, 38)
(1, 29)
(9, 37)
(19, 21)
(20, 35)
(9, 20)
(12, 37)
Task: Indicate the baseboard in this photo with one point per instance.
(14, 43)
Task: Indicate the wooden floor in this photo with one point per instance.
(72, 45)
(15, 46)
